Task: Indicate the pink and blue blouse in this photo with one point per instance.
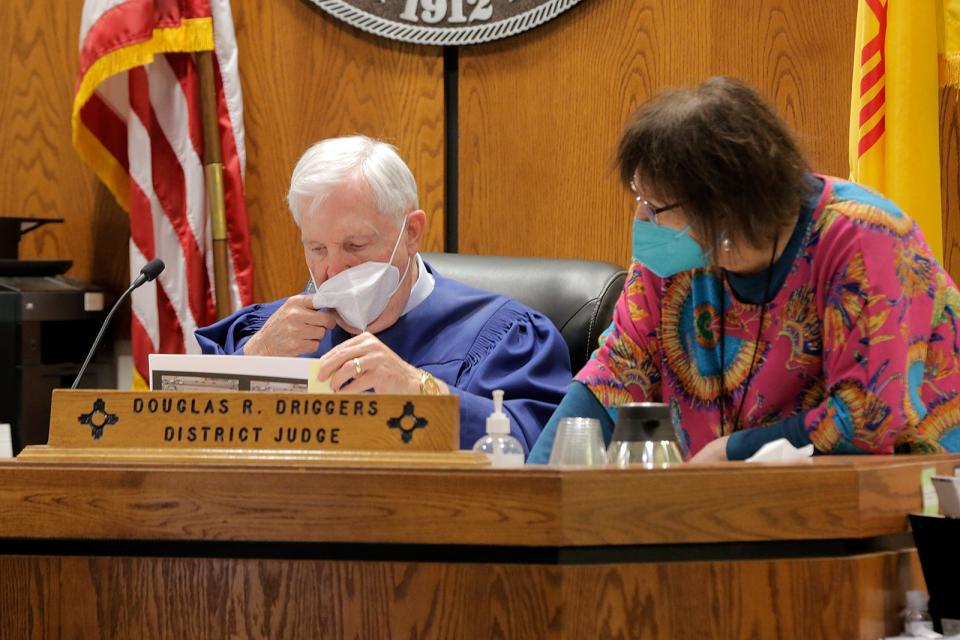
(858, 352)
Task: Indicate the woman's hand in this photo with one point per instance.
(715, 451)
(294, 329)
(363, 362)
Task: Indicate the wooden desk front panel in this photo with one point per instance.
(194, 585)
(89, 597)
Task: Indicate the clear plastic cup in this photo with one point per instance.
(578, 442)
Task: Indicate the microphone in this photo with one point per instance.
(149, 272)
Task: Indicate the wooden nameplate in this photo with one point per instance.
(272, 428)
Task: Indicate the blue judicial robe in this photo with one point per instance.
(473, 340)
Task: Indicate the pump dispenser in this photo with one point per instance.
(501, 448)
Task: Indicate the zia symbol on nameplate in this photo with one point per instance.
(407, 422)
(98, 418)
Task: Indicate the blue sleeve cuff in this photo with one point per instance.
(743, 444)
(579, 402)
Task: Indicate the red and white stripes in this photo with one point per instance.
(146, 142)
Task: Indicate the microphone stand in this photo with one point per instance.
(149, 272)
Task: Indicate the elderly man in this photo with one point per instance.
(383, 320)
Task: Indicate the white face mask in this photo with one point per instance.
(361, 293)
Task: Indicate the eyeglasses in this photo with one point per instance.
(649, 211)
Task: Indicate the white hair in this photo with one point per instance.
(334, 162)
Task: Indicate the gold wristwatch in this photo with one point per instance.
(428, 384)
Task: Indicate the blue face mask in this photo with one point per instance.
(665, 251)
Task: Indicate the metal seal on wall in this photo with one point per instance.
(445, 22)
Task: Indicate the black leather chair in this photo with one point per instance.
(577, 295)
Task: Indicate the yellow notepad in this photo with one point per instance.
(314, 385)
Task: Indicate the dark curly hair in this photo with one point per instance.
(723, 153)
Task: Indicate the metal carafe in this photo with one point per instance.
(644, 435)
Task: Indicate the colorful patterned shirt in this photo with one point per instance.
(860, 343)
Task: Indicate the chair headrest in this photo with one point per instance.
(578, 296)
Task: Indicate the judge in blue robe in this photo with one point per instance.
(381, 319)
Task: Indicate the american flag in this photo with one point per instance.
(137, 122)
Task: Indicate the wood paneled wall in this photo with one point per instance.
(950, 178)
(40, 173)
(539, 116)
(305, 77)
(552, 106)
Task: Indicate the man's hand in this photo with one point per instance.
(294, 329)
(363, 362)
(715, 451)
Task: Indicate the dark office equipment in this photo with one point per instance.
(937, 538)
(47, 323)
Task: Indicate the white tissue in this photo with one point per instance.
(781, 451)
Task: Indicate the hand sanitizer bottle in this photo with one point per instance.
(501, 448)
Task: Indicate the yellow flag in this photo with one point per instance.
(905, 51)
(948, 42)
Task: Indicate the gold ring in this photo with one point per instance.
(356, 365)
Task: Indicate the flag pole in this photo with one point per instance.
(213, 170)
